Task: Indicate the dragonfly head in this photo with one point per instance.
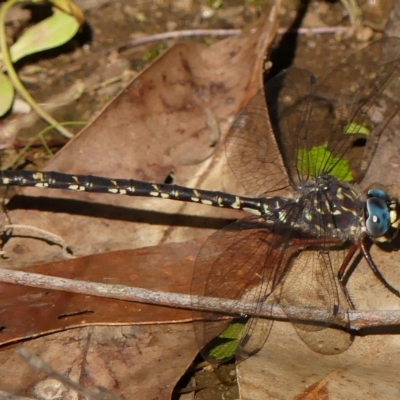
(382, 215)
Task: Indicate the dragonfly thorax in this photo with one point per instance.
(333, 206)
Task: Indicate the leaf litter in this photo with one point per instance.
(285, 368)
(151, 129)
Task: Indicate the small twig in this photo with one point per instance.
(201, 32)
(183, 33)
(33, 360)
(358, 319)
(316, 31)
(45, 235)
(225, 32)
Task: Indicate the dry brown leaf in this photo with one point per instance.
(30, 312)
(286, 369)
(164, 121)
(160, 123)
(133, 362)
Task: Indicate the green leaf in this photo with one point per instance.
(227, 342)
(319, 159)
(233, 331)
(47, 34)
(356, 129)
(6, 94)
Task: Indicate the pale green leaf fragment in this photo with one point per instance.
(233, 331)
(228, 342)
(6, 94)
(47, 34)
(224, 351)
(319, 159)
(356, 129)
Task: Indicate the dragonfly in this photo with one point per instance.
(293, 254)
(302, 137)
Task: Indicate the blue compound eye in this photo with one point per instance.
(377, 216)
(378, 193)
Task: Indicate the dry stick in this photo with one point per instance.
(227, 32)
(358, 319)
(45, 235)
(201, 32)
(155, 38)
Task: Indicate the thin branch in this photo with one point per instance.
(201, 32)
(45, 235)
(358, 319)
(227, 32)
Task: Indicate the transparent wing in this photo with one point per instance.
(237, 264)
(319, 132)
(252, 152)
(372, 96)
(254, 258)
(311, 282)
(316, 127)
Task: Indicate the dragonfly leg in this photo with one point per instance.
(342, 270)
(375, 269)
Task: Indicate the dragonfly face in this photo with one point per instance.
(381, 215)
